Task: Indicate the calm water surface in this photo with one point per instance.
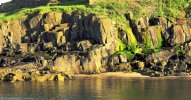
(99, 89)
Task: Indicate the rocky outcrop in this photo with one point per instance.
(70, 42)
(152, 34)
(54, 45)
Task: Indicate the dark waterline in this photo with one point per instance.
(99, 89)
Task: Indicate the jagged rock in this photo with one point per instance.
(142, 23)
(8, 77)
(122, 58)
(1, 43)
(48, 77)
(61, 27)
(52, 77)
(48, 45)
(181, 22)
(17, 75)
(20, 76)
(178, 35)
(114, 60)
(26, 39)
(66, 63)
(102, 70)
(59, 33)
(35, 22)
(161, 56)
(24, 47)
(123, 36)
(60, 39)
(137, 65)
(153, 37)
(53, 18)
(163, 63)
(124, 67)
(59, 77)
(141, 65)
(41, 78)
(83, 45)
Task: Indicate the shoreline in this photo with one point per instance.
(111, 74)
(126, 75)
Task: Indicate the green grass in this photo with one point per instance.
(180, 50)
(112, 9)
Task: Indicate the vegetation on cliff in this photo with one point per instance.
(114, 10)
(110, 35)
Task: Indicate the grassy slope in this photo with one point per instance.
(115, 11)
(110, 8)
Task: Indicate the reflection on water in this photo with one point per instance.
(99, 89)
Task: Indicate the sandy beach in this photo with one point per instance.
(112, 74)
(127, 75)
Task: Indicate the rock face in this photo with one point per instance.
(54, 45)
(161, 30)
(154, 33)
(72, 41)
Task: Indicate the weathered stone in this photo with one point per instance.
(122, 58)
(114, 60)
(66, 63)
(35, 22)
(41, 78)
(1, 43)
(61, 27)
(15, 35)
(141, 23)
(181, 22)
(187, 32)
(141, 65)
(60, 77)
(164, 22)
(83, 45)
(163, 63)
(60, 36)
(125, 67)
(153, 37)
(161, 56)
(21, 76)
(178, 36)
(51, 19)
(102, 70)
(9, 77)
(26, 39)
(24, 47)
(48, 45)
(52, 77)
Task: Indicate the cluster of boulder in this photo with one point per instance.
(66, 43)
(171, 37)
